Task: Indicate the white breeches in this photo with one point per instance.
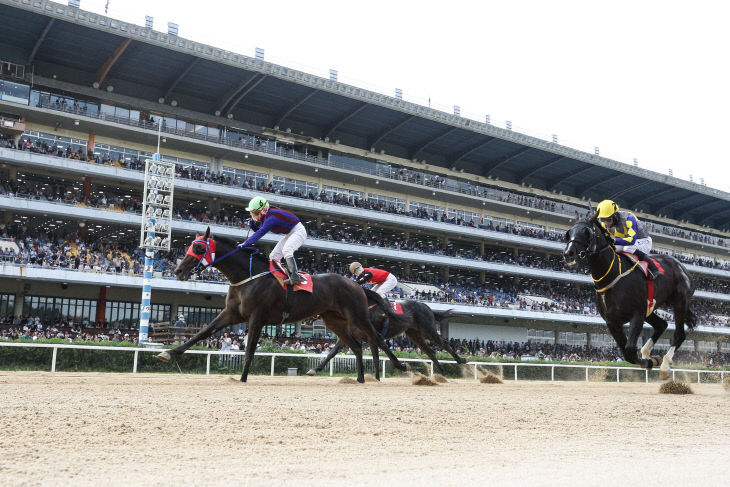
(290, 243)
(389, 283)
(643, 244)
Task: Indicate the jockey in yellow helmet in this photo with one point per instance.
(629, 234)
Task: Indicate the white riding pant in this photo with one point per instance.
(383, 288)
(290, 243)
(643, 244)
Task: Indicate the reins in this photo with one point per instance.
(614, 258)
(200, 267)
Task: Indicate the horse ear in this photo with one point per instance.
(592, 217)
(207, 233)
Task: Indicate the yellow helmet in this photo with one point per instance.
(607, 209)
(356, 268)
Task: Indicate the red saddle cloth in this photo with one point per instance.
(397, 307)
(281, 275)
(650, 301)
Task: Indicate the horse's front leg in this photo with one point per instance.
(337, 348)
(404, 367)
(254, 332)
(659, 326)
(225, 318)
(636, 325)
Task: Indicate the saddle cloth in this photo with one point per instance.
(396, 305)
(650, 301)
(281, 275)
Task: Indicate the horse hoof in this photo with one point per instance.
(311, 372)
(163, 356)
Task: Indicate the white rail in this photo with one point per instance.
(474, 365)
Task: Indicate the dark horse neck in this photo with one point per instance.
(239, 265)
(604, 263)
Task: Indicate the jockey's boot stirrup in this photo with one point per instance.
(652, 270)
(294, 278)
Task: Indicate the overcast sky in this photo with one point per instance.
(639, 79)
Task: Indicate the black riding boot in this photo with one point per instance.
(294, 278)
(652, 269)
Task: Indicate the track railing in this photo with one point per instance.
(475, 365)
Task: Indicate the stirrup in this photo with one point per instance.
(293, 280)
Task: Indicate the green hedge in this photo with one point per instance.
(78, 360)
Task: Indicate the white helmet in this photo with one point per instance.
(356, 268)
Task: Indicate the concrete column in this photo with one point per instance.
(589, 341)
(481, 248)
(365, 228)
(407, 269)
(697, 345)
(719, 346)
(7, 217)
(557, 337)
(298, 329)
(482, 277)
(18, 306)
(216, 165)
(90, 144)
(13, 174)
(445, 273)
(278, 330)
(87, 188)
(101, 304)
(444, 330)
(319, 223)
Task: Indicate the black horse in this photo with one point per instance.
(256, 296)
(418, 322)
(621, 293)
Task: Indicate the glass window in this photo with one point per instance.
(14, 92)
(122, 113)
(106, 110)
(201, 130)
(213, 132)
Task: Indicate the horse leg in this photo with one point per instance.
(225, 318)
(617, 332)
(254, 332)
(337, 348)
(680, 313)
(659, 326)
(635, 326)
(438, 340)
(417, 338)
(357, 350)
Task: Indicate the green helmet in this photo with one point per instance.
(258, 204)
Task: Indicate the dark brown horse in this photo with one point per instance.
(255, 296)
(621, 293)
(418, 322)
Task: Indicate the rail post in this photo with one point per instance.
(430, 363)
(646, 371)
(207, 365)
(134, 366)
(53, 359)
(618, 375)
(273, 358)
(475, 371)
(332, 367)
(552, 373)
(586, 373)
(383, 369)
(698, 376)
(515, 372)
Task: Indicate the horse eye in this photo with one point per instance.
(198, 249)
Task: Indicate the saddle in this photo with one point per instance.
(282, 275)
(643, 266)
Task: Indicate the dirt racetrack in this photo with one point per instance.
(124, 429)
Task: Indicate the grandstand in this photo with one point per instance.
(469, 216)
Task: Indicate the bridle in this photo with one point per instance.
(210, 250)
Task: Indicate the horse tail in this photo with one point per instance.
(443, 315)
(381, 303)
(690, 319)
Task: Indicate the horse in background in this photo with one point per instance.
(256, 296)
(621, 293)
(417, 321)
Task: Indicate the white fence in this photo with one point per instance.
(233, 355)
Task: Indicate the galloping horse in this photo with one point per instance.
(418, 322)
(256, 296)
(621, 293)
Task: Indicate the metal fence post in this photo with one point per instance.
(475, 372)
(273, 358)
(515, 372)
(332, 367)
(53, 360)
(431, 366)
(134, 366)
(552, 373)
(646, 371)
(383, 369)
(698, 376)
(207, 365)
(586, 374)
(618, 375)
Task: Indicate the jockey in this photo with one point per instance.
(630, 235)
(265, 219)
(383, 281)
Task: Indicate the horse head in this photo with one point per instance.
(585, 238)
(200, 254)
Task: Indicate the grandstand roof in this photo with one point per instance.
(67, 44)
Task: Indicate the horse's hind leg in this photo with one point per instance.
(659, 326)
(420, 341)
(438, 340)
(337, 348)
